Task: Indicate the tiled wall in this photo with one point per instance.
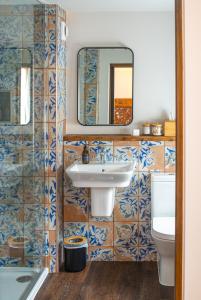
(125, 235)
(22, 151)
(88, 67)
(31, 199)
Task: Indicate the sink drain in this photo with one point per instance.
(24, 279)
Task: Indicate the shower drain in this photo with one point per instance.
(24, 279)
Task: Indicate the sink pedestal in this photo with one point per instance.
(102, 201)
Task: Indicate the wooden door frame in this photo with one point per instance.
(179, 152)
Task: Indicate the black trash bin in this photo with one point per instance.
(75, 252)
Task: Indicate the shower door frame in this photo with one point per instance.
(179, 255)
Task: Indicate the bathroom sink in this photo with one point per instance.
(101, 175)
(102, 179)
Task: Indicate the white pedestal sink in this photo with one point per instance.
(102, 179)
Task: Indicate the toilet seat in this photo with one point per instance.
(164, 228)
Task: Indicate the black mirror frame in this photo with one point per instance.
(132, 53)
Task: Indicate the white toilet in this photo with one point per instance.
(163, 224)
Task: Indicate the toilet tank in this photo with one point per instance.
(163, 195)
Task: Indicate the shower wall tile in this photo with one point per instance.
(36, 151)
(126, 235)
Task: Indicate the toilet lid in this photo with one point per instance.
(164, 228)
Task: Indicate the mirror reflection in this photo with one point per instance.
(15, 86)
(105, 86)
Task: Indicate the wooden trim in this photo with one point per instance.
(112, 100)
(116, 137)
(180, 151)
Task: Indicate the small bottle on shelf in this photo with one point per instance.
(85, 154)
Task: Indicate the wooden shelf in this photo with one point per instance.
(116, 137)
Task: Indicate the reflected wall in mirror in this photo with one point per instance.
(105, 86)
(15, 86)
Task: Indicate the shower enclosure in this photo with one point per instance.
(23, 240)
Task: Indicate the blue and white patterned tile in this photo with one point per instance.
(145, 238)
(53, 250)
(51, 82)
(38, 82)
(34, 163)
(39, 109)
(39, 28)
(52, 265)
(52, 189)
(35, 245)
(61, 82)
(91, 68)
(126, 209)
(39, 136)
(28, 27)
(10, 25)
(101, 233)
(51, 54)
(40, 55)
(75, 228)
(10, 261)
(10, 155)
(34, 262)
(52, 217)
(151, 156)
(145, 184)
(9, 79)
(11, 190)
(22, 10)
(126, 153)
(52, 109)
(46, 244)
(74, 143)
(101, 254)
(99, 219)
(61, 56)
(52, 162)
(61, 107)
(145, 208)
(147, 253)
(101, 143)
(170, 156)
(52, 136)
(50, 9)
(131, 190)
(95, 153)
(76, 209)
(34, 189)
(33, 217)
(51, 34)
(125, 234)
(70, 190)
(126, 253)
(10, 221)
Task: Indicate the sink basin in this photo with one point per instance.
(102, 179)
(101, 175)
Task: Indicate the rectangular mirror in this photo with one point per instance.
(15, 86)
(105, 86)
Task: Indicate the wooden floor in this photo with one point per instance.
(107, 281)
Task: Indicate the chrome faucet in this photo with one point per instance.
(102, 156)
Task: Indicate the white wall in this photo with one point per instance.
(151, 36)
(192, 286)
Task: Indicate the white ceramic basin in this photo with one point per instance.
(101, 175)
(102, 179)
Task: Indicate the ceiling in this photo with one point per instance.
(115, 5)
